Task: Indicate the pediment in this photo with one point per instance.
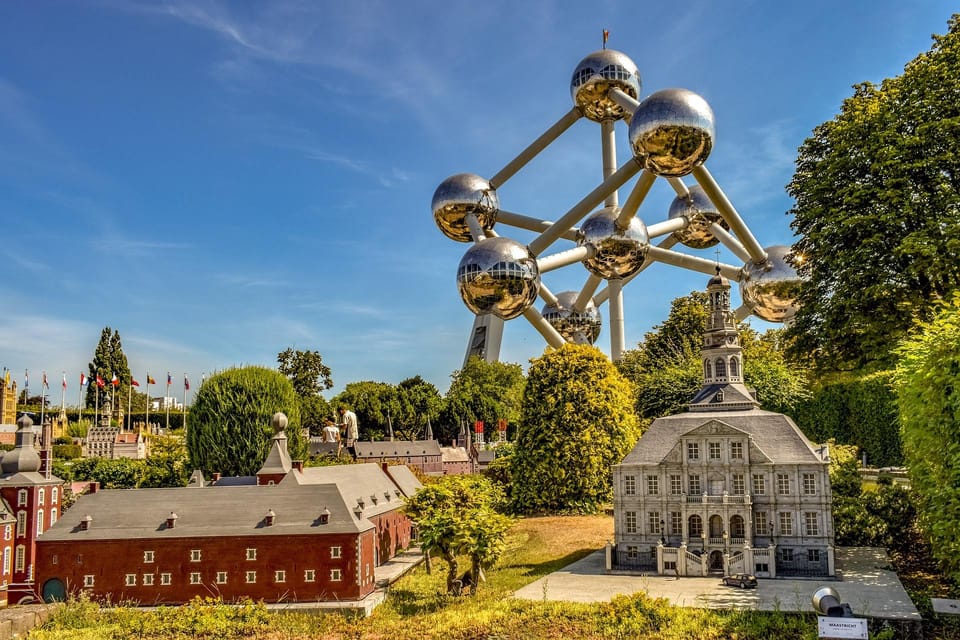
(715, 428)
(675, 456)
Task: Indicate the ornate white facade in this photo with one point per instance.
(725, 487)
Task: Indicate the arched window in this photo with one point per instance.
(737, 529)
(695, 526)
(721, 368)
(20, 558)
(41, 495)
(734, 367)
(716, 526)
(21, 524)
(706, 369)
(54, 494)
(22, 498)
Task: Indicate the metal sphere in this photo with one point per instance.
(460, 195)
(595, 76)
(700, 213)
(770, 289)
(579, 327)
(498, 276)
(672, 132)
(619, 253)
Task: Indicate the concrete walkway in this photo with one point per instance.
(865, 580)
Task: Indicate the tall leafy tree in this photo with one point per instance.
(578, 420)
(108, 360)
(375, 403)
(928, 400)
(310, 377)
(419, 401)
(877, 210)
(230, 422)
(487, 391)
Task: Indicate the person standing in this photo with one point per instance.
(348, 421)
(331, 433)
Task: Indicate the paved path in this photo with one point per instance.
(864, 580)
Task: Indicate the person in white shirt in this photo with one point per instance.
(348, 421)
(331, 433)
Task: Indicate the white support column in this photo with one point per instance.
(658, 229)
(565, 258)
(635, 199)
(601, 297)
(485, 338)
(535, 147)
(546, 295)
(742, 312)
(531, 224)
(693, 263)
(608, 144)
(586, 293)
(679, 187)
(729, 241)
(476, 230)
(616, 319)
(831, 561)
(551, 335)
(723, 205)
(626, 102)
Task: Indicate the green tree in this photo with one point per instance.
(168, 464)
(928, 400)
(310, 377)
(578, 420)
(230, 430)
(877, 193)
(375, 403)
(108, 361)
(458, 515)
(487, 391)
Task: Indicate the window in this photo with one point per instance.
(165, 579)
(251, 577)
(811, 523)
(721, 367)
(693, 451)
(676, 523)
(786, 523)
(707, 373)
(813, 555)
(54, 495)
(88, 580)
(335, 575)
(653, 522)
(632, 553)
(309, 575)
(148, 556)
(630, 521)
(694, 482)
(809, 484)
(279, 575)
(6, 560)
(783, 484)
(194, 555)
(130, 580)
(335, 552)
(53, 516)
(39, 522)
(676, 484)
(786, 555)
(653, 485)
(736, 451)
(762, 567)
(759, 484)
(738, 484)
(221, 577)
(629, 485)
(7, 532)
(21, 524)
(20, 558)
(695, 526)
(22, 498)
(41, 495)
(251, 554)
(760, 525)
(147, 579)
(194, 577)
(734, 367)
(714, 450)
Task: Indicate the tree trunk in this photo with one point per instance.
(452, 569)
(476, 572)
(427, 562)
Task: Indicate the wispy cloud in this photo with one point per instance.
(24, 262)
(252, 281)
(118, 245)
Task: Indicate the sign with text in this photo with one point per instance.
(842, 627)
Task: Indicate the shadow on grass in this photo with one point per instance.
(409, 602)
(536, 570)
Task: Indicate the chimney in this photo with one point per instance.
(93, 487)
(172, 520)
(85, 522)
(269, 518)
(298, 465)
(216, 477)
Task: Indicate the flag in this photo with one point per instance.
(64, 380)
(100, 382)
(169, 379)
(44, 385)
(150, 380)
(83, 379)
(26, 378)
(115, 381)
(134, 382)
(606, 36)
(186, 383)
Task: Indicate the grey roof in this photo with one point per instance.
(774, 434)
(278, 460)
(396, 449)
(404, 478)
(234, 481)
(210, 512)
(454, 454)
(735, 396)
(486, 455)
(320, 448)
(358, 482)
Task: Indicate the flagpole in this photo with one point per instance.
(113, 397)
(96, 404)
(63, 394)
(129, 405)
(167, 404)
(184, 421)
(43, 382)
(147, 420)
(80, 403)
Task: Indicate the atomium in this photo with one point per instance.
(671, 135)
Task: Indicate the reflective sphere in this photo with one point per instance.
(498, 276)
(619, 254)
(701, 212)
(581, 327)
(672, 132)
(459, 195)
(595, 75)
(770, 289)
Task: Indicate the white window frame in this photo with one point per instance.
(279, 575)
(165, 579)
(783, 484)
(251, 553)
(54, 495)
(759, 484)
(811, 523)
(653, 522)
(739, 484)
(715, 451)
(336, 575)
(41, 495)
(694, 477)
(630, 485)
(693, 451)
(148, 579)
(20, 558)
(653, 485)
(336, 552)
(309, 575)
(148, 556)
(21, 524)
(88, 581)
(630, 521)
(760, 524)
(736, 451)
(676, 484)
(809, 484)
(130, 580)
(195, 555)
(676, 523)
(221, 577)
(786, 523)
(250, 577)
(22, 498)
(39, 521)
(195, 577)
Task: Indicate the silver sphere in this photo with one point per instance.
(701, 213)
(579, 327)
(460, 195)
(770, 289)
(595, 76)
(498, 276)
(620, 253)
(672, 132)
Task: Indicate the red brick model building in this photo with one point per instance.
(422, 454)
(286, 534)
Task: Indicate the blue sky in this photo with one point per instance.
(221, 181)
